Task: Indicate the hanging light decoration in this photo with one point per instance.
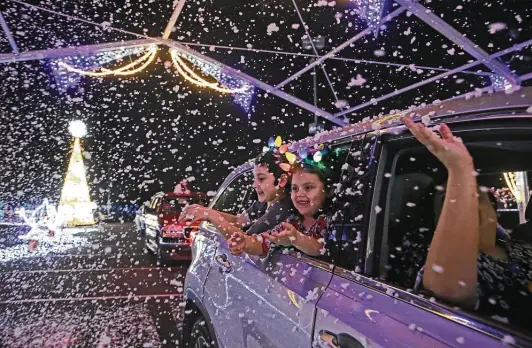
(241, 91)
(191, 76)
(65, 79)
(244, 98)
(129, 69)
(179, 62)
(371, 11)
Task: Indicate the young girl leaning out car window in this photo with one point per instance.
(307, 229)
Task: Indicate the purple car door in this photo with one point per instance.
(275, 298)
(356, 311)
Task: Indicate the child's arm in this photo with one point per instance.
(290, 235)
(198, 213)
(241, 243)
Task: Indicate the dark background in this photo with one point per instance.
(149, 131)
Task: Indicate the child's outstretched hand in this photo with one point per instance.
(288, 235)
(237, 243)
(193, 213)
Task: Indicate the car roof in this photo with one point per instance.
(478, 105)
(472, 106)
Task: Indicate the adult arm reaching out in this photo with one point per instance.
(451, 267)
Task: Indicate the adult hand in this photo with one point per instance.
(449, 149)
(288, 235)
(193, 213)
(237, 243)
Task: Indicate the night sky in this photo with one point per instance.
(148, 132)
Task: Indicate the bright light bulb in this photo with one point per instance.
(77, 128)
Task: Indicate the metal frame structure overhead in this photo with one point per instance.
(9, 36)
(497, 67)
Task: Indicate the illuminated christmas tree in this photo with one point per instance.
(75, 206)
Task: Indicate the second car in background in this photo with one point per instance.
(167, 238)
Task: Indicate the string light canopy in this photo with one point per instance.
(129, 69)
(191, 76)
(371, 11)
(241, 91)
(65, 79)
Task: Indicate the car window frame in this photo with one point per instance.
(322, 264)
(366, 243)
(397, 137)
(229, 181)
(302, 257)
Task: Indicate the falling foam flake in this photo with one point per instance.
(358, 81)
(495, 27)
(437, 268)
(508, 339)
(426, 120)
(272, 27)
(341, 104)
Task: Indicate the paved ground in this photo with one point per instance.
(91, 289)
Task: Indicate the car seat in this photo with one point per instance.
(410, 226)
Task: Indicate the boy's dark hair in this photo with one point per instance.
(269, 160)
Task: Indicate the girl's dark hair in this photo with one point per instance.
(321, 169)
(324, 171)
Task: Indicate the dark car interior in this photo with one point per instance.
(415, 191)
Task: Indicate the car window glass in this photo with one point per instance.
(415, 198)
(232, 198)
(350, 203)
